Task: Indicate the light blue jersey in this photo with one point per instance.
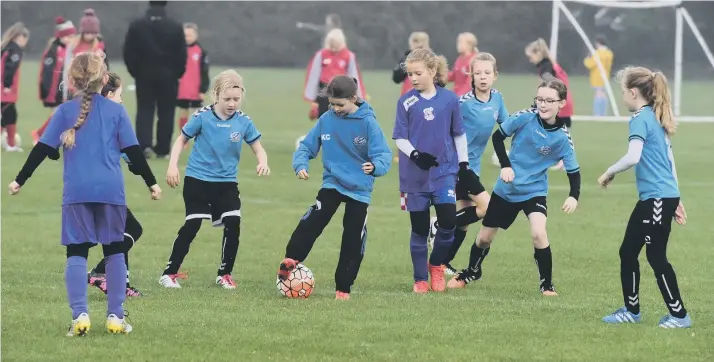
(218, 143)
(654, 175)
(479, 118)
(347, 142)
(536, 146)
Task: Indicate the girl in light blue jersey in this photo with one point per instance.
(539, 142)
(650, 152)
(210, 189)
(481, 108)
(354, 153)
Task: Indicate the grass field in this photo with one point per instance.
(501, 318)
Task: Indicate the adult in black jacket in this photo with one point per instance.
(155, 55)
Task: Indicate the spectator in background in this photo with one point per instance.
(417, 40)
(332, 60)
(155, 55)
(466, 46)
(606, 57)
(90, 37)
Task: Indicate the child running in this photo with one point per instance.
(132, 230)
(429, 133)
(480, 108)
(210, 187)
(355, 152)
(539, 141)
(650, 152)
(93, 131)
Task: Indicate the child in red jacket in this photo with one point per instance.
(195, 81)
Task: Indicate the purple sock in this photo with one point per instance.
(75, 279)
(420, 252)
(442, 243)
(116, 284)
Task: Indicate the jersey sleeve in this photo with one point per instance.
(502, 111)
(514, 122)
(127, 137)
(401, 122)
(58, 124)
(308, 149)
(251, 133)
(568, 154)
(193, 127)
(457, 122)
(638, 128)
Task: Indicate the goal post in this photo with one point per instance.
(681, 17)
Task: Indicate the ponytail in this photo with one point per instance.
(661, 103)
(68, 136)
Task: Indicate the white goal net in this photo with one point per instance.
(649, 33)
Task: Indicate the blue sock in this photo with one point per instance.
(116, 284)
(75, 279)
(420, 252)
(442, 244)
(600, 105)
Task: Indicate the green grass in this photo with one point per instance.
(501, 318)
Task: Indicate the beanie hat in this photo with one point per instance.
(64, 27)
(89, 23)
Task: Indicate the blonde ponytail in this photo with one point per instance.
(661, 103)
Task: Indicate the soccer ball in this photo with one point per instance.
(298, 285)
(18, 140)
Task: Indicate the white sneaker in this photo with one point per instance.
(432, 232)
(226, 281)
(13, 149)
(80, 326)
(169, 281)
(116, 325)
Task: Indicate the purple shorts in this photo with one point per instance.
(92, 223)
(421, 201)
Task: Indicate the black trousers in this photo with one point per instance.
(155, 95)
(649, 226)
(354, 235)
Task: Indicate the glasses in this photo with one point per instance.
(538, 100)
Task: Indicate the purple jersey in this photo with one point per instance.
(92, 169)
(430, 125)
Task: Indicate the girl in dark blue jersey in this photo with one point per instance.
(93, 131)
(433, 152)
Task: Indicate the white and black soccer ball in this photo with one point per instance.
(299, 283)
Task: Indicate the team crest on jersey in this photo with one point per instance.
(544, 150)
(49, 61)
(15, 58)
(429, 114)
(196, 57)
(341, 63)
(359, 141)
(235, 137)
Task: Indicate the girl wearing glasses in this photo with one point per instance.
(539, 141)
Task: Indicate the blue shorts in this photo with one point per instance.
(421, 201)
(93, 223)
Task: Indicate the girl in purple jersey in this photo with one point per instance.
(93, 131)
(433, 151)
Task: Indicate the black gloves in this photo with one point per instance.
(468, 177)
(424, 160)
